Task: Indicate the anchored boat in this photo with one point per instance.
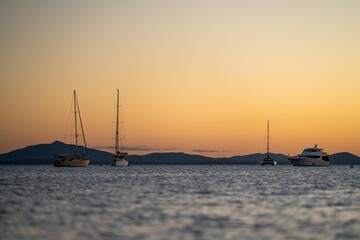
(268, 159)
(120, 158)
(311, 157)
(74, 159)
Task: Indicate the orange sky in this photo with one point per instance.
(193, 75)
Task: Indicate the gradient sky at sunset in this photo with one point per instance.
(194, 76)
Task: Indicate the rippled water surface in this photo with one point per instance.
(180, 202)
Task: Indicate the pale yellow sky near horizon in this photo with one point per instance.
(193, 75)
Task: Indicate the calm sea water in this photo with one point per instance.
(180, 202)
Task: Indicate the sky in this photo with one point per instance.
(201, 77)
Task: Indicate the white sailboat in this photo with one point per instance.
(268, 159)
(120, 158)
(74, 159)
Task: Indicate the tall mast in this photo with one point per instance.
(76, 133)
(81, 125)
(267, 138)
(117, 124)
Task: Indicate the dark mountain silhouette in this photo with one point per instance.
(281, 159)
(174, 158)
(183, 158)
(43, 154)
(344, 158)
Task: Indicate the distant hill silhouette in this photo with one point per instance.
(183, 158)
(281, 159)
(344, 158)
(173, 158)
(43, 154)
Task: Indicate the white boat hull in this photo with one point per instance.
(118, 162)
(305, 161)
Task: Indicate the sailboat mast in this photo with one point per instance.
(76, 133)
(117, 124)
(267, 146)
(81, 125)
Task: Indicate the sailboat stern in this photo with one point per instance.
(269, 161)
(62, 160)
(120, 161)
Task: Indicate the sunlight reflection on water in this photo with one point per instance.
(179, 202)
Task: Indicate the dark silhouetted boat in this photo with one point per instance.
(268, 160)
(74, 159)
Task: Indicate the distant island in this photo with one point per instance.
(42, 154)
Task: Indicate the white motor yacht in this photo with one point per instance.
(311, 157)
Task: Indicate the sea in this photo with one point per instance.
(180, 202)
